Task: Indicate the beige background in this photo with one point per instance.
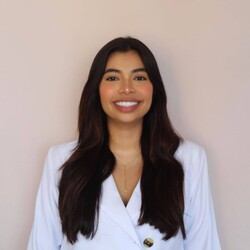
(202, 48)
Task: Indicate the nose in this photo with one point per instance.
(126, 87)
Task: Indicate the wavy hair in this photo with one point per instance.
(92, 161)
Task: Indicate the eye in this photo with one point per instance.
(112, 78)
(140, 78)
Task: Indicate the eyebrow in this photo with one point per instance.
(119, 71)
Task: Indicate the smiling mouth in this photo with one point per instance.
(126, 104)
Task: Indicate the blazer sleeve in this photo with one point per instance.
(200, 221)
(46, 231)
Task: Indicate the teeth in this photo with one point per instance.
(126, 104)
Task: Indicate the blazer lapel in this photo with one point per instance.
(134, 205)
(112, 205)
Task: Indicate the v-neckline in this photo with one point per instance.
(136, 190)
(126, 217)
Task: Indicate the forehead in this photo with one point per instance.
(129, 59)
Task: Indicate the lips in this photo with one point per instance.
(126, 106)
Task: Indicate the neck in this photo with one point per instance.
(124, 139)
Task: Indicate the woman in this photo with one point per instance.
(130, 181)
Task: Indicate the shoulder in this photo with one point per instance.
(192, 157)
(189, 150)
(58, 154)
(64, 149)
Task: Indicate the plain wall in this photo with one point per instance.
(203, 51)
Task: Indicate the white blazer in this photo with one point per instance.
(118, 229)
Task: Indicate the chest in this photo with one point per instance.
(118, 225)
(126, 180)
(111, 235)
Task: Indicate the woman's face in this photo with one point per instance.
(125, 89)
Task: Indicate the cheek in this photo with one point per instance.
(148, 91)
(106, 93)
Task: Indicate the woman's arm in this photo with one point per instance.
(200, 220)
(46, 230)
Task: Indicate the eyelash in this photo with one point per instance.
(137, 78)
(140, 78)
(112, 78)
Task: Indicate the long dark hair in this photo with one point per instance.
(92, 160)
